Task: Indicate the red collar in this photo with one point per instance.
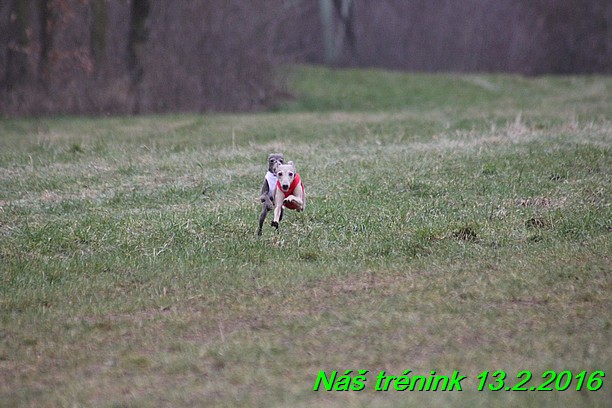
(296, 182)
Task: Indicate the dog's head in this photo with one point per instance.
(274, 159)
(285, 173)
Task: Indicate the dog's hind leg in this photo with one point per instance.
(262, 218)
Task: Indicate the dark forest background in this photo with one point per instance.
(148, 56)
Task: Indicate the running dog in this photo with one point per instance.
(268, 189)
(289, 191)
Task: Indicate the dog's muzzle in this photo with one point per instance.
(285, 187)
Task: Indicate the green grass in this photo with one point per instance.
(454, 222)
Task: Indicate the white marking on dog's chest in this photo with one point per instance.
(271, 179)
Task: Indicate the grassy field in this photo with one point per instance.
(454, 223)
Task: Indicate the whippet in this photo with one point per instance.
(289, 191)
(268, 187)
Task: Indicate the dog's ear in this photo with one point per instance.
(291, 164)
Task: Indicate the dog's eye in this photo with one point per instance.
(290, 174)
(280, 174)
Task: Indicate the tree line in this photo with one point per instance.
(143, 56)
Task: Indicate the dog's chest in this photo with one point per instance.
(271, 179)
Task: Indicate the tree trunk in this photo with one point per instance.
(335, 38)
(138, 36)
(98, 33)
(16, 54)
(326, 9)
(45, 39)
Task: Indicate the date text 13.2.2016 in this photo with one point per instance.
(548, 381)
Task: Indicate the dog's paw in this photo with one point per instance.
(274, 224)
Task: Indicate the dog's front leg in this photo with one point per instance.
(265, 199)
(265, 195)
(278, 210)
(295, 200)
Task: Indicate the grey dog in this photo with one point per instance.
(268, 188)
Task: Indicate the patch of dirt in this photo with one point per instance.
(465, 234)
(537, 222)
